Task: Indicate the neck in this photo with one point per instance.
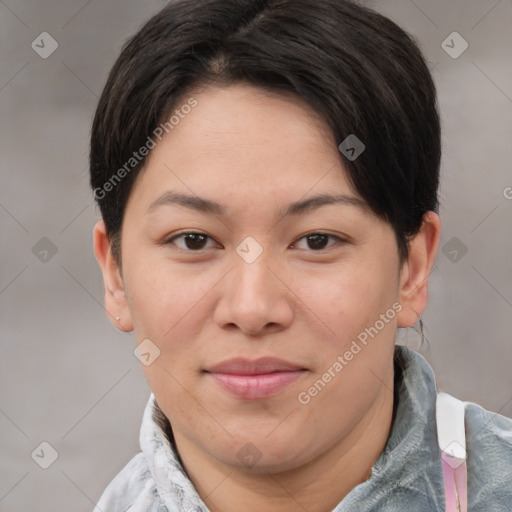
(317, 486)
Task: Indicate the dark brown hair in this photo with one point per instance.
(363, 74)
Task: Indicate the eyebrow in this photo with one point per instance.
(296, 208)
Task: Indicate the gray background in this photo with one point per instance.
(69, 378)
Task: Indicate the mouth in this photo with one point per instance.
(255, 379)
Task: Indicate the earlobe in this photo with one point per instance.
(413, 292)
(116, 304)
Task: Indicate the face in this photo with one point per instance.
(275, 313)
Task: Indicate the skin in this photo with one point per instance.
(254, 153)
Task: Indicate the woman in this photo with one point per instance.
(267, 174)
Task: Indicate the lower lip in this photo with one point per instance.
(256, 386)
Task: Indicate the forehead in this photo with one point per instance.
(261, 144)
(226, 117)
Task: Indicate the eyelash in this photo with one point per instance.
(170, 241)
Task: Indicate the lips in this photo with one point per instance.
(261, 366)
(255, 379)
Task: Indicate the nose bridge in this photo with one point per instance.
(252, 279)
(252, 296)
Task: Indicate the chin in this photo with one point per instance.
(265, 454)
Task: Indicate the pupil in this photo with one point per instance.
(191, 243)
(317, 241)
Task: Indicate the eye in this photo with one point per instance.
(189, 241)
(318, 241)
(195, 242)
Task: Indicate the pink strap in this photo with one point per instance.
(452, 443)
(456, 487)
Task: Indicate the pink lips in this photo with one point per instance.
(255, 379)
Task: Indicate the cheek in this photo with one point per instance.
(351, 298)
(170, 307)
(175, 392)
(356, 361)
(163, 296)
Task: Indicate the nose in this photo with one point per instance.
(254, 298)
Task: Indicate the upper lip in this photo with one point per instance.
(264, 365)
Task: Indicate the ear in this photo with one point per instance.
(116, 303)
(413, 290)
